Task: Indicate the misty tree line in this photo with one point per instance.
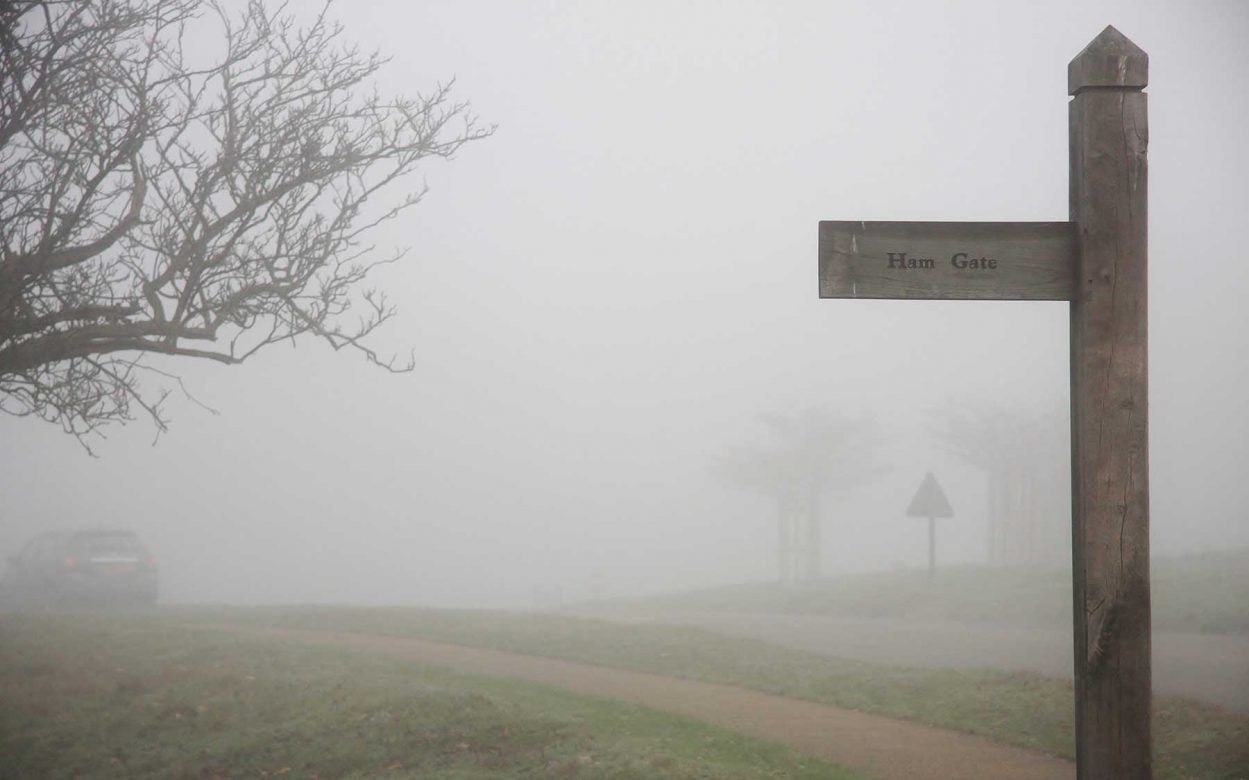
(806, 459)
(804, 456)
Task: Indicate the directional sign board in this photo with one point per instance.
(948, 260)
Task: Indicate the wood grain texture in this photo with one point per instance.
(948, 260)
(1109, 419)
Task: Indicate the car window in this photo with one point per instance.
(107, 543)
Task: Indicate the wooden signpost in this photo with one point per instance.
(1097, 261)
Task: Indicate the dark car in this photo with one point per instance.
(82, 568)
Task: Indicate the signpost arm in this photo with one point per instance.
(1109, 431)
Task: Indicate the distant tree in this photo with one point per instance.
(803, 456)
(1023, 453)
(156, 198)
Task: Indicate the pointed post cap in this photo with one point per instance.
(1110, 60)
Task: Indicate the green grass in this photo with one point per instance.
(137, 697)
(972, 594)
(1204, 593)
(1201, 593)
(1192, 740)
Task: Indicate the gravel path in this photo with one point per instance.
(879, 747)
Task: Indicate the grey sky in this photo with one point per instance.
(604, 295)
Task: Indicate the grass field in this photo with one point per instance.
(142, 697)
(1192, 740)
(1206, 593)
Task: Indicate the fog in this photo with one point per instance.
(603, 298)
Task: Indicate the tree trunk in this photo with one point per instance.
(814, 537)
(784, 541)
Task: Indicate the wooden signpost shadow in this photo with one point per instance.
(1097, 261)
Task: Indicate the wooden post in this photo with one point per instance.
(1109, 431)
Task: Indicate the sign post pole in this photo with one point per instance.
(932, 547)
(1109, 412)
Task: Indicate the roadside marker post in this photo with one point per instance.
(1097, 261)
(930, 502)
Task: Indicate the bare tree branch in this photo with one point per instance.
(155, 204)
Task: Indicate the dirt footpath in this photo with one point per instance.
(879, 747)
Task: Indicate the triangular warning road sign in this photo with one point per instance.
(930, 500)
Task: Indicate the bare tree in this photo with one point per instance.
(157, 199)
(803, 457)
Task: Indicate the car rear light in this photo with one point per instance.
(70, 561)
(150, 561)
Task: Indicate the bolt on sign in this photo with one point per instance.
(1096, 261)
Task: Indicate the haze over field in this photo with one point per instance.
(604, 297)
